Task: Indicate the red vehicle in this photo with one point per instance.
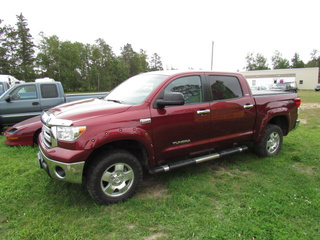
(160, 121)
(24, 133)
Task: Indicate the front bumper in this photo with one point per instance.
(69, 172)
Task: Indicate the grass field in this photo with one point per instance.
(237, 197)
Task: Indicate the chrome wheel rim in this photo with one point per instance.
(117, 179)
(273, 142)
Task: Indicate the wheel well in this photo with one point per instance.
(134, 147)
(35, 136)
(282, 122)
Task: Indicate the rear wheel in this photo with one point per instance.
(114, 177)
(271, 141)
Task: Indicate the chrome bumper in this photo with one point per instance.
(69, 172)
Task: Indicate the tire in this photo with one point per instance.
(35, 137)
(271, 141)
(114, 177)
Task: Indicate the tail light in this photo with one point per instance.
(297, 101)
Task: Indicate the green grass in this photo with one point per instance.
(237, 197)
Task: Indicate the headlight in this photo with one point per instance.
(67, 133)
(13, 131)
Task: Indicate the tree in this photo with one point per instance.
(4, 65)
(70, 68)
(258, 62)
(142, 58)
(279, 62)
(136, 63)
(25, 49)
(315, 61)
(155, 63)
(48, 58)
(8, 50)
(102, 59)
(296, 62)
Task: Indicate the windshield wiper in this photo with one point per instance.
(114, 100)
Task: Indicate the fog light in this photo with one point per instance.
(60, 172)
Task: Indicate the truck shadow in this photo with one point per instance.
(153, 186)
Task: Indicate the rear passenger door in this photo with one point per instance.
(232, 113)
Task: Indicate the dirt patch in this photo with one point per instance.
(155, 236)
(152, 188)
(307, 170)
(231, 172)
(309, 105)
(303, 121)
(130, 227)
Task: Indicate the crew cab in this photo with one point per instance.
(160, 121)
(27, 100)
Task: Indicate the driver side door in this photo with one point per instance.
(182, 130)
(22, 104)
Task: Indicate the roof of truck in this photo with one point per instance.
(174, 72)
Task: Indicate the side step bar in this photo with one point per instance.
(187, 162)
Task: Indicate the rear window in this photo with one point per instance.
(225, 87)
(49, 90)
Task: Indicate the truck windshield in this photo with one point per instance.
(136, 89)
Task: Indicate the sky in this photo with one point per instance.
(183, 32)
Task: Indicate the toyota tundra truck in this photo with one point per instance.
(160, 121)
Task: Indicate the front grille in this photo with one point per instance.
(46, 135)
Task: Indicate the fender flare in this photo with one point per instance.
(272, 113)
(121, 134)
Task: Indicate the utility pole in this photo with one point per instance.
(212, 55)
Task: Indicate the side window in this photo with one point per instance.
(49, 91)
(189, 86)
(225, 87)
(24, 92)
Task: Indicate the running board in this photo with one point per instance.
(187, 162)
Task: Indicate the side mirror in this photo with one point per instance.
(172, 98)
(8, 98)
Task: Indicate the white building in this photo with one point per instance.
(302, 78)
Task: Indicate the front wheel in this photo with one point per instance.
(114, 177)
(271, 141)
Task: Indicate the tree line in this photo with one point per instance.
(94, 67)
(78, 66)
(259, 62)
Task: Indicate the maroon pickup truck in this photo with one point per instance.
(160, 121)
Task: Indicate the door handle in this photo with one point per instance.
(199, 112)
(35, 103)
(248, 106)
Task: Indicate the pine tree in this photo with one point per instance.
(8, 50)
(296, 62)
(25, 49)
(155, 62)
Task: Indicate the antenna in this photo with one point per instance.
(212, 55)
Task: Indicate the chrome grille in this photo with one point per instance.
(46, 135)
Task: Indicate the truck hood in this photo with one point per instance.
(86, 109)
